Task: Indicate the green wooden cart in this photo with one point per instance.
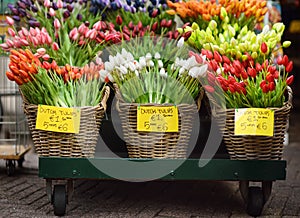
(220, 167)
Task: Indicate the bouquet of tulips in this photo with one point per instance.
(248, 83)
(44, 82)
(150, 71)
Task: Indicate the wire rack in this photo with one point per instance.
(14, 132)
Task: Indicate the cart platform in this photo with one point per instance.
(8, 152)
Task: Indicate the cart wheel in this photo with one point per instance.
(255, 201)
(10, 167)
(59, 200)
(20, 162)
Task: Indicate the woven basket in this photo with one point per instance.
(258, 147)
(156, 144)
(82, 144)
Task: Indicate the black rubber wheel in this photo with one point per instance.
(10, 167)
(255, 201)
(59, 200)
(20, 162)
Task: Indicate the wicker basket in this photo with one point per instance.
(258, 147)
(157, 144)
(82, 144)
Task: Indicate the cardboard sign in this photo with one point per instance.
(157, 118)
(58, 119)
(254, 121)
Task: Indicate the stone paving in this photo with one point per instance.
(24, 195)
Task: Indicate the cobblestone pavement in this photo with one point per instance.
(24, 195)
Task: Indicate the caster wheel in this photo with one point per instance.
(255, 201)
(10, 167)
(59, 200)
(20, 162)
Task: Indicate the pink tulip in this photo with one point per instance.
(25, 31)
(43, 38)
(20, 33)
(82, 29)
(47, 3)
(73, 32)
(17, 43)
(52, 12)
(56, 24)
(97, 26)
(41, 51)
(44, 30)
(37, 55)
(46, 57)
(55, 46)
(32, 31)
(24, 42)
(48, 39)
(11, 32)
(75, 36)
(30, 38)
(4, 46)
(10, 21)
(60, 4)
(88, 33)
(10, 43)
(35, 41)
(93, 34)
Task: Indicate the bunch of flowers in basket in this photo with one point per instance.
(67, 31)
(249, 83)
(223, 33)
(237, 13)
(42, 81)
(147, 71)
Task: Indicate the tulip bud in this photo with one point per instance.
(60, 4)
(286, 44)
(52, 12)
(55, 46)
(289, 66)
(47, 3)
(223, 13)
(290, 80)
(285, 60)
(264, 48)
(212, 25)
(11, 32)
(119, 20)
(254, 55)
(56, 24)
(10, 21)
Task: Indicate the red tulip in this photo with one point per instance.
(265, 88)
(226, 59)
(270, 77)
(279, 60)
(285, 60)
(290, 80)
(217, 57)
(272, 86)
(289, 66)
(119, 20)
(264, 48)
(258, 67)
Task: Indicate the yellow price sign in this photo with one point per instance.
(58, 119)
(254, 121)
(157, 118)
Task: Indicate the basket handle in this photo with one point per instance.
(105, 97)
(290, 95)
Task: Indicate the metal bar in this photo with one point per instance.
(216, 169)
